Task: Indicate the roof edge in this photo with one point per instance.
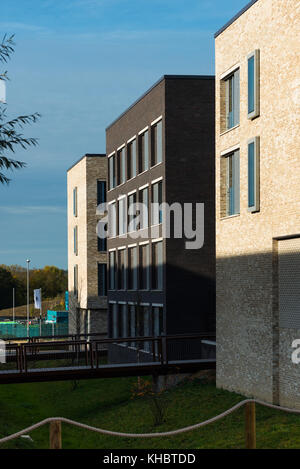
(164, 77)
(87, 155)
(240, 13)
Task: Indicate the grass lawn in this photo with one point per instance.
(108, 403)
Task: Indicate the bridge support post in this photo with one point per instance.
(55, 434)
(250, 425)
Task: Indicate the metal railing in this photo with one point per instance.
(92, 352)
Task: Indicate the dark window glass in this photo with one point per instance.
(251, 84)
(157, 263)
(101, 192)
(102, 282)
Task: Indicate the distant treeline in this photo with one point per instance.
(52, 280)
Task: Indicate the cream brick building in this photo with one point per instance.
(258, 201)
(87, 256)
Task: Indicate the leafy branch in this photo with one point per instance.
(10, 138)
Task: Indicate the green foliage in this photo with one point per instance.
(10, 136)
(107, 403)
(157, 400)
(52, 280)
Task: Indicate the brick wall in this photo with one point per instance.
(248, 347)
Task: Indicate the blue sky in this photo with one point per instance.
(80, 63)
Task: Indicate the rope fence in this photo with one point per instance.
(250, 425)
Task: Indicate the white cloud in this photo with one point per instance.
(32, 209)
(12, 26)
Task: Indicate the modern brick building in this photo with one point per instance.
(258, 201)
(161, 149)
(87, 255)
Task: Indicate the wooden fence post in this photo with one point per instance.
(55, 434)
(250, 425)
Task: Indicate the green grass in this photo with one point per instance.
(107, 403)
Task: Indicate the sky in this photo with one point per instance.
(81, 63)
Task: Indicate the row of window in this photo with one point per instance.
(101, 199)
(137, 267)
(102, 279)
(131, 212)
(136, 156)
(132, 320)
(230, 187)
(231, 86)
(101, 196)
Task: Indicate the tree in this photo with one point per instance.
(10, 136)
(6, 287)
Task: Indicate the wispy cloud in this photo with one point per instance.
(13, 26)
(31, 210)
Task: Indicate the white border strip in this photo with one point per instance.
(230, 150)
(157, 180)
(230, 70)
(156, 120)
(131, 139)
(132, 192)
(143, 243)
(121, 147)
(143, 130)
(157, 240)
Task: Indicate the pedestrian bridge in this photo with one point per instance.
(75, 357)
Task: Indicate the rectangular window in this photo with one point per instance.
(232, 161)
(156, 141)
(75, 233)
(113, 308)
(232, 91)
(157, 263)
(146, 319)
(121, 166)
(143, 199)
(112, 219)
(140, 324)
(102, 284)
(157, 320)
(102, 244)
(122, 216)
(122, 320)
(132, 323)
(253, 175)
(144, 151)
(112, 172)
(132, 218)
(132, 268)
(144, 263)
(131, 159)
(75, 284)
(157, 323)
(75, 201)
(253, 84)
(112, 270)
(101, 192)
(122, 269)
(156, 203)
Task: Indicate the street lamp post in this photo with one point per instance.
(28, 261)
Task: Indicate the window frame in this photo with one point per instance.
(256, 83)
(75, 202)
(233, 154)
(112, 173)
(256, 142)
(236, 111)
(102, 266)
(75, 239)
